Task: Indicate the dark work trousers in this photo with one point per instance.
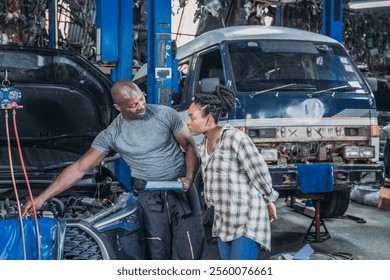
(172, 222)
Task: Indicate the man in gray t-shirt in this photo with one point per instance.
(147, 145)
(156, 144)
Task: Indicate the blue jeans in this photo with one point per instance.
(242, 248)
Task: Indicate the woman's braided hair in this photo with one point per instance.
(217, 104)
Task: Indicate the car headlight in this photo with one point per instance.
(358, 152)
(270, 154)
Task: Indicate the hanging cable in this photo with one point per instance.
(179, 24)
(14, 105)
(14, 185)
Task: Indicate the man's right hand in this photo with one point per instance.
(67, 178)
(28, 206)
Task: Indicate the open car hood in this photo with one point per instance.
(65, 103)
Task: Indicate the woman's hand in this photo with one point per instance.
(272, 212)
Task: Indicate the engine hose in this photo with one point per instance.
(14, 185)
(60, 206)
(28, 184)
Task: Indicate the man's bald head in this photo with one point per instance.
(124, 88)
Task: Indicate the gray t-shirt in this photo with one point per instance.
(147, 145)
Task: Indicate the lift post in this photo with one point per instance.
(332, 19)
(114, 20)
(162, 66)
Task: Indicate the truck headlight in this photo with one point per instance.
(358, 152)
(262, 133)
(270, 154)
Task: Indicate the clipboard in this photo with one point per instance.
(163, 185)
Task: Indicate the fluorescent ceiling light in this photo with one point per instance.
(368, 4)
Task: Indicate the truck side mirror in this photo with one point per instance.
(373, 83)
(207, 85)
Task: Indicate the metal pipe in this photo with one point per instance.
(53, 24)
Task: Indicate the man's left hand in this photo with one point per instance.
(185, 182)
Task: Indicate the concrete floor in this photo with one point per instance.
(358, 241)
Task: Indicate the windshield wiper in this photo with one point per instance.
(334, 89)
(270, 89)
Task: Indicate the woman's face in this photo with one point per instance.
(196, 122)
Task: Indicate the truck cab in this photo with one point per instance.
(299, 96)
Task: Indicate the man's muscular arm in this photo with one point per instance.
(68, 177)
(186, 141)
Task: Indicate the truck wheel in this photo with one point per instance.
(335, 204)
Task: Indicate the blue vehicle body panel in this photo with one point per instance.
(291, 105)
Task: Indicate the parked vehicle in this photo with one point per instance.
(299, 96)
(63, 102)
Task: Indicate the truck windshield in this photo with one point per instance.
(263, 65)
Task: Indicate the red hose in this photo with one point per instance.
(28, 184)
(14, 185)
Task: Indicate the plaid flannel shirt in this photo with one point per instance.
(238, 184)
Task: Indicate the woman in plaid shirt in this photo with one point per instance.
(236, 179)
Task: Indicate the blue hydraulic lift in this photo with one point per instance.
(162, 66)
(332, 19)
(114, 21)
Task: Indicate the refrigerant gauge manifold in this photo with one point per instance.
(10, 97)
